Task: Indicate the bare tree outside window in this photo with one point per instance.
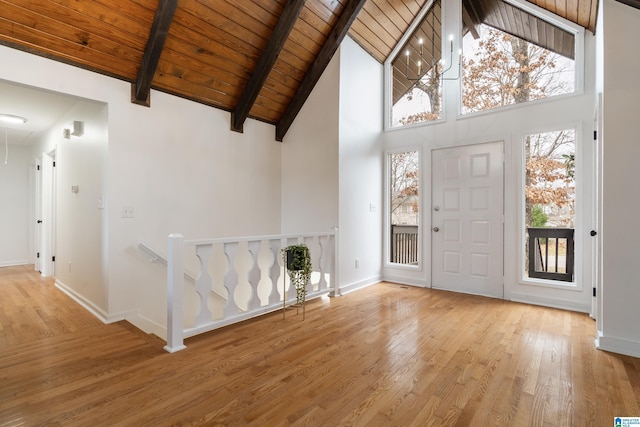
(404, 182)
(500, 70)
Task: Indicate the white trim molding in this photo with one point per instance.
(617, 345)
(89, 305)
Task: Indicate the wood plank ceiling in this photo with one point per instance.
(254, 58)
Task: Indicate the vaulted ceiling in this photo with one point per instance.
(254, 58)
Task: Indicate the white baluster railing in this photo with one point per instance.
(253, 280)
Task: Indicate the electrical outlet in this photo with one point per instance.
(128, 212)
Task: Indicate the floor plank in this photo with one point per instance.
(387, 355)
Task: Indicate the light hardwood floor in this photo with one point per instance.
(387, 355)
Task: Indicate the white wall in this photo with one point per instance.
(81, 220)
(361, 166)
(332, 164)
(510, 125)
(620, 234)
(310, 159)
(183, 171)
(14, 204)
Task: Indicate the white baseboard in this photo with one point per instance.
(148, 326)
(131, 316)
(550, 302)
(345, 289)
(13, 263)
(402, 280)
(84, 302)
(617, 345)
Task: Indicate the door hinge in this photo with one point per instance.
(54, 164)
(53, 258)
(595, 135)
(594, 292)
(37, 254)
(38, 167)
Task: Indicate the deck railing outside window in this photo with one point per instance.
(551, 253)
(404, 244)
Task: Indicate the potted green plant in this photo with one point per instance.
(298, 262)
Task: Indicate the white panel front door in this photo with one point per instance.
(467, 219)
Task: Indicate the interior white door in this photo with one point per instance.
(47, 234)
(467, 219)
(37, 235)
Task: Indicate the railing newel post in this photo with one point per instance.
(175, 293)
(335, 264)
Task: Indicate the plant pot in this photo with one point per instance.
(295, 260)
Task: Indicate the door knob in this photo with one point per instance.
(436, 208)
(436, 229)
(593, 233)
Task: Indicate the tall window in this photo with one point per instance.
(512, 56)
(416, 68)
(404, 183)
(550, 204)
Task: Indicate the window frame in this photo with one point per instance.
(577, 283)
(562, 23)
(388, 72)
(386, 240)
(453, 26)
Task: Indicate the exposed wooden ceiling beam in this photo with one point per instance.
(338, 32)
(269, 56)
(140, 90)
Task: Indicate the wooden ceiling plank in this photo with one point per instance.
(358, 33)
(584, 13)
(132, 34)
(387, 16)
(401, 10)
(572, 10)
(289, 75)
(324, 14)
(266, 11)
(64, 50)
(209, 79)
(279, 93)
(141, 90)
(269, 56)
(191, 59)
(227, 25)
(499, 16)
(339, 31)
(593, 18)
(211, 50)
(314, 23)
(43, 24)
(299, 36)
(333, 6)
(187, 90)
(386, 40)
(561, 8)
